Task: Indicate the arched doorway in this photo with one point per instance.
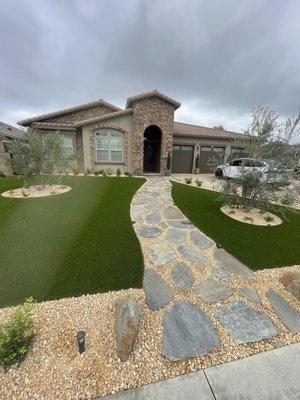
(152, 142)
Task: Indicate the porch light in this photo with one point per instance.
(81, 341)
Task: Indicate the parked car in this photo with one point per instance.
(235, 168)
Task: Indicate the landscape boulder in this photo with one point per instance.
(127, 321)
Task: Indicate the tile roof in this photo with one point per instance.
(146, 95)
(54, 125)
(104, 117)
(10, 131)
(27, 121)
(182, 129)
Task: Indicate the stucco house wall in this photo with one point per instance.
(124, 124)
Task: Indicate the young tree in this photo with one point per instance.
(266, 140)
(39, 158)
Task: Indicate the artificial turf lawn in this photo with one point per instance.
(71, 244)
(256, 246)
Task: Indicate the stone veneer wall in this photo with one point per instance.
(79, 149)
(146, 112)
(4, 167)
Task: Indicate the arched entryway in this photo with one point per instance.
(152, 144)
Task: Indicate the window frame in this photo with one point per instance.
(110, 150)
(71, 137)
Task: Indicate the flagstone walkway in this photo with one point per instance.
(184, 268)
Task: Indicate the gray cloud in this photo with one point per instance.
(219, 58)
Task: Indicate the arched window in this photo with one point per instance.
(109, 145)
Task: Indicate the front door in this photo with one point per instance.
(151, 155)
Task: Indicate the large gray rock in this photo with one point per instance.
(182, 276)
(127, 321)
(192, 255)
(158, 292)
(176, 235)
(291, 283)
(223, 275)
(212, 291)
(285, 312)
(159, 256)
(187, 332)
(200, 240)
(172, 212)
(249, 293)
(153, 218)
(148, 231)
(231, 264)
(245, 324)
(181, 224)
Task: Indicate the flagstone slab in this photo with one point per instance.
(159, 256)
(192, 255)
(172, 212)
(181, 224)
(137, 210)
(245, 324)
(201, 240)
(249, 293)
(187, 332)
(285, 312)
(231, 264)
(213, 291)
(153, 218)
(223, 275)
(182, 276)
(158, 292)
(176, 235)
(155, 207)
(148, 231)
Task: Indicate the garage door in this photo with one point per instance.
(210, 157)
(182, 160)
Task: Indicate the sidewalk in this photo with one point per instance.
(273, 375)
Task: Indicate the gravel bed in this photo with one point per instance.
(54, 370)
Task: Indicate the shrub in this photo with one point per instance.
(2, 175)
(109, 171)
(118, 173)
(198, 182)
(287, 200)
(103, 173)
(249, 219)
(16, 335)
(126, 173)
(75, 171)
(87, 171)
(268, 218)
(188, 180)
(96, 173)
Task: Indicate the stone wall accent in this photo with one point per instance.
(146, 112)
(81, 115)
(4, 167)
(79, 149)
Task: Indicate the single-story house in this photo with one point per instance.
(137, 139)
(7, 133)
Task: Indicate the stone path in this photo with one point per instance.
(198, 286)
(267, 376)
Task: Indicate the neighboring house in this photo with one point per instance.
(7, 133)
(135, 139)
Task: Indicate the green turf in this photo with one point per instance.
(256, 246)
(70, 244)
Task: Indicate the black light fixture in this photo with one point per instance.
(219, 246)
(81, 341)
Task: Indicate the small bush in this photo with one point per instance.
(129, 174)
(249, 219)
(118, 173)
(109, 171)
(268, 218)
(188, 180)
(96, 173)
(2, 175)
(231, 212)
(75, 171)
(103, 173)
(24, 193)
(198, 182)
(126, 173)
(16, 335)
(87, 171)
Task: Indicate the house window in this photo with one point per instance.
(68, 145)
(109, 146)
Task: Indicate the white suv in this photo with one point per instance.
(234, 168)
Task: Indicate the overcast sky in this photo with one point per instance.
(217, 57)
